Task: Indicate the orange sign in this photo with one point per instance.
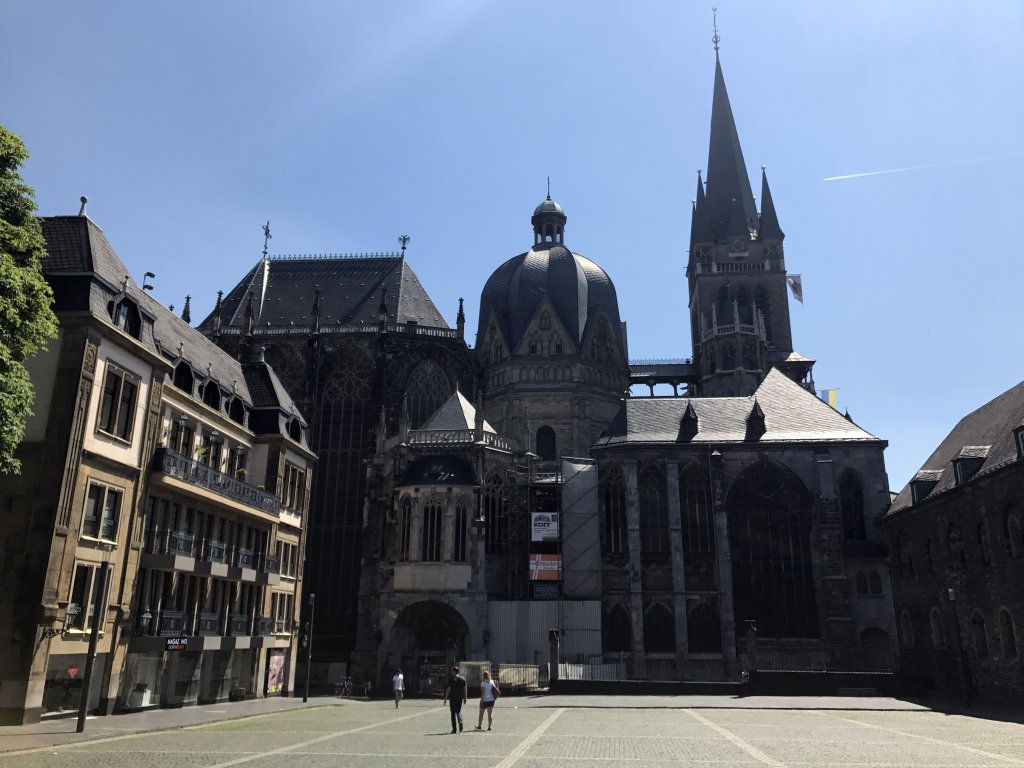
(546, 567)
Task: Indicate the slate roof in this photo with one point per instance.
(791, 414)
(457, 413)
(350, 289)
(77, 247)
(991, 426)
(575, 286)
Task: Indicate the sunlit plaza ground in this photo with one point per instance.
(555, 731)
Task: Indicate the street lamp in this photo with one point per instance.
(70, 617)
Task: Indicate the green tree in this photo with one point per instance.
(27, 321)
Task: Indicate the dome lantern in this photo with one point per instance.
(548, 223)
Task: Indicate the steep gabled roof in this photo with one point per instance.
(350, 293)
(457, 413)
(791, 414)
(986, 434)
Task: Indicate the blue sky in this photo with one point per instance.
(348, 124)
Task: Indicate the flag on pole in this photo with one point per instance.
(829, 395)
(796, 285)
(832, 398)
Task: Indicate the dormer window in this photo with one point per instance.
(183, 378)
(236, 410)
(924, 482)
(295, 430)
(1018, 434)
(211, 395)
(968, 462)
(125, 315)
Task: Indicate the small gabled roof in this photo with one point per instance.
(457, 413)
(791, 414)
(986, 433)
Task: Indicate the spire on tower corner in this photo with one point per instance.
(770, 228)
(186, 311)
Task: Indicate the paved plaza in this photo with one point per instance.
(543, 731)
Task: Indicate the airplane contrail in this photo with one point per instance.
(919, 167)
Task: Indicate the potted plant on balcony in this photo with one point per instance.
(201, 452)
(240, 473)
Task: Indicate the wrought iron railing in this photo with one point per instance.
(458, 437)
(214, 551)
(243, 558)
(207, 624)
(190, 471)
(238, 624)
(172, 623)
(264, 625)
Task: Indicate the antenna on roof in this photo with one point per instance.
(715, 38)
(403, 240)
(85, 200)
(266, 238)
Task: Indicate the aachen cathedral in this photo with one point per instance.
(467, 499)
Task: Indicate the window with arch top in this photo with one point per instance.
(653, 502)
(546, 446)
(851, 505)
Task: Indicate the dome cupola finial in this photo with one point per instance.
(548, 221)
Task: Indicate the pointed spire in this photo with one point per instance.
(755, 422)
(382, 430)
(737, 225)
(770, 228)
(700, 224)
(186, 311)
(218, 309)
(727, 173)
(403, 420)
(688, 425)
(314, 315)
(460, 321)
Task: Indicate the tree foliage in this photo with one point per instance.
(27, 321)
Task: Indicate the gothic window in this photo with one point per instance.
(761, 305)
(938, 633)
(556, 344)
(431, 535)
(874, 583)
(616, 631)
(770, 539)
(979, 633)
(1008, 634)
(955, 547)
(613, 510)
(728, 357)
(699, 530)
(459, 532)
(545, 322)
(743, 302)
(712, 362)
(703, 630)
(748, 356)
(906, 631)
(659, 630)
(982, 536)
(404, 529)
(905, 551)
(1014, 537)
(546, 447)
(427, 390)
(724, 307)
(653, 503)
(851, 505)
(930, 556)
(496, 498)
(862, 583)
(183, 378)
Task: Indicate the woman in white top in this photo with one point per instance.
(488, 693)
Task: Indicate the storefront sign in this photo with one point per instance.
(545, 567)
(545, 526)
(177, 643)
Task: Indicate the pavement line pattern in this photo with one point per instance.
(525, 744)
(941, 742)
(282, 750)
(750, 749)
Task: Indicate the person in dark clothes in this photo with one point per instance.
(455, 694)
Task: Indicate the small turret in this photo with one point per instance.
(186, 311)
(770, 229)
(460, 321)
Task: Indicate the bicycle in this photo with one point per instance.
(343, 688)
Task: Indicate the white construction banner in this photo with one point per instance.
(544, 526)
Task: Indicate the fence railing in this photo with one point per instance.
(521, 677)
(655, 668)
(819, 656)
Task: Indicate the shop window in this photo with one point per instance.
(117, 407)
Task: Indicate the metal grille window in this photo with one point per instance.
(102, 509)
(459, 533)
(117, 407)
(431, 532)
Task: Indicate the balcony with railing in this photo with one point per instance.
(198, 474)
(457, 437)
(238, 624)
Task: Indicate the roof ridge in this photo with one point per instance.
(330, 256)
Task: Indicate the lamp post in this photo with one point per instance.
(309, 644)
(965, 672)
(99, 615)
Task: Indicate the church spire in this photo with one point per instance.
(727, 173)
(769, 219)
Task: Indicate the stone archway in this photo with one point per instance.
(428, 637)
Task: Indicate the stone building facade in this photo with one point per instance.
(958, 557)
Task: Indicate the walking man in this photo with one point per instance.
(398, 684)
(455, 694)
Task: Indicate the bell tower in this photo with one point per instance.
(739, 307)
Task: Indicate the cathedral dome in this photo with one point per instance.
(576, 288)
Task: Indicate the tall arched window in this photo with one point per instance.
(659, 630)
(496, 499)
(703, 630)
(461, 527)
(613, 510)
(862, 583)
(982, 536)
(905, 551)
(743, 303)
(938, 632)
(1014, 535)
(431, 534)
(404, 529)
(1008, 633)
(699, 522)
(851, 505)
(427, 389)
(653, 503)
(725, 316)
(906, 631)
(769, 513)
(955, 547)
(979, 632)
(546, 447)
(617, 633)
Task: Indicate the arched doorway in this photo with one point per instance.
(770, 537)
(428, 638)
(546, 448)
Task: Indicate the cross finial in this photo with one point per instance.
(549, 187)
(403, 240)
(715, 38)
(266, 238)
